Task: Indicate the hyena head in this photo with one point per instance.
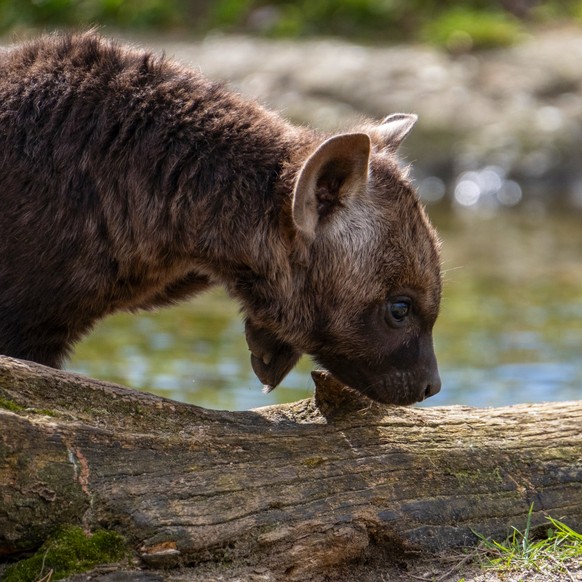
(366, 280)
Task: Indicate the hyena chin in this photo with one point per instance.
(128, 181)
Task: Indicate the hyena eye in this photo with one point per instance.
(398, 310)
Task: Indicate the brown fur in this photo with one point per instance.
(129, 182)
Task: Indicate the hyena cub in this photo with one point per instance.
(129, 182)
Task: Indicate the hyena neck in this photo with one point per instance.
(249, 244)
(243, 232)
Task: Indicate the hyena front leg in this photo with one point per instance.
(271, 358)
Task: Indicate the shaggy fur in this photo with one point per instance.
(130, 182)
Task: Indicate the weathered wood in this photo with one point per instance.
(295, 488)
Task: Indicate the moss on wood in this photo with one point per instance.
(69, 551)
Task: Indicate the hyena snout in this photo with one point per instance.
(432, 387)
(398, 386)
(429, 380)
(402, 376)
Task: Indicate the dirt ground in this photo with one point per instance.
(457, 568)
(451, 568)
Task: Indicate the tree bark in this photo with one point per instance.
(296, 488)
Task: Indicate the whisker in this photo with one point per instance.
(452, 269)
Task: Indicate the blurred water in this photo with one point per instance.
(510, 328)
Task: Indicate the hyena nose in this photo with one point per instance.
(432, 388)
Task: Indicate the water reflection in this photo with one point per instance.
(487, 188)
(510, 329)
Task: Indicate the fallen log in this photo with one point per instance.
(296, 488)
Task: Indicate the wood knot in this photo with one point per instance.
(161, 555)
(333, 398)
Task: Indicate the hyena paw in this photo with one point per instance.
(271, 358)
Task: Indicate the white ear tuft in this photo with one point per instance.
(395, 128)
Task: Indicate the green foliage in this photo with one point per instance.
(564, 10)
(229, 13)
(461, 29)
(79, 13)
(455, 24)
(68, 552)
(522, 551)
(351, 18)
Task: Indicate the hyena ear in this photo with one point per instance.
(337, 170)
(394, 129)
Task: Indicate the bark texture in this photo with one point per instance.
(297, 488)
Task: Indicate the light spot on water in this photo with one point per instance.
(486, 188)
(431, 189)
(467, 191)
(510, 193)
(549, 119)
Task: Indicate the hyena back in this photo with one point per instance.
(130, 182)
